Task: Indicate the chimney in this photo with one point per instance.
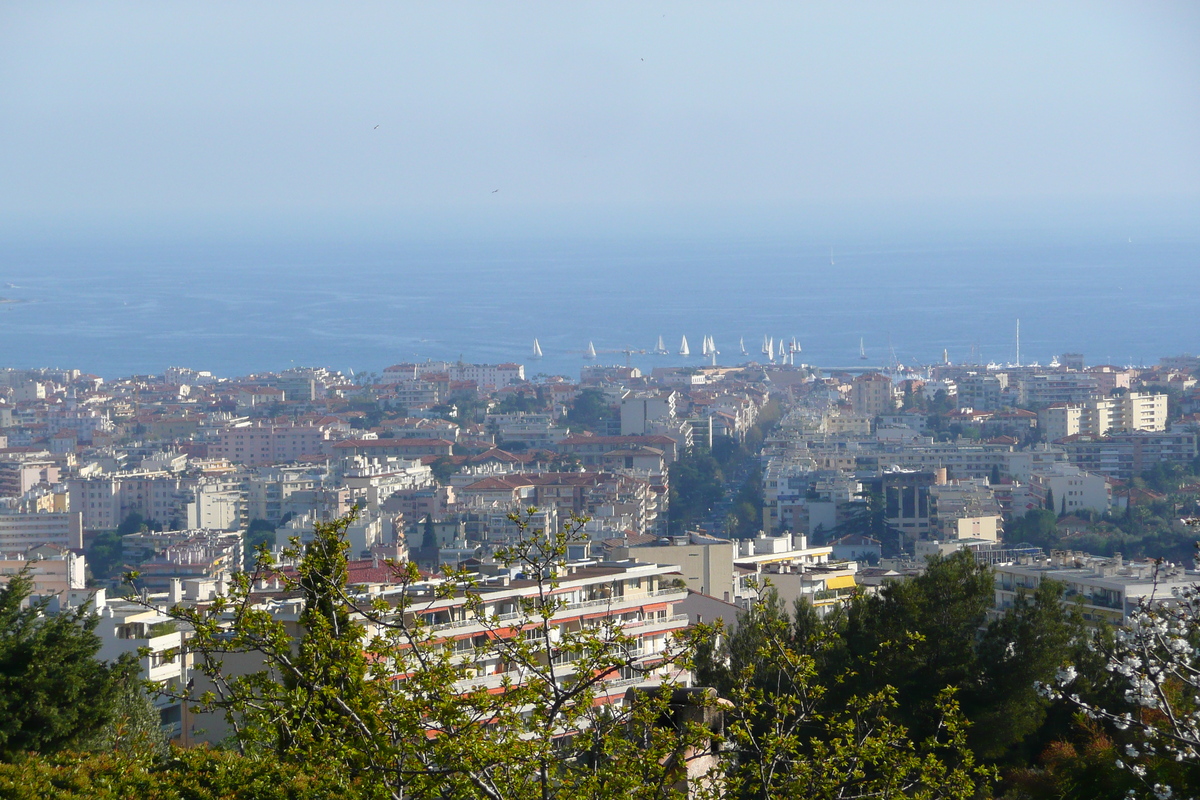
(175, 594)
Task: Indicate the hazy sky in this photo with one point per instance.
(159, 112)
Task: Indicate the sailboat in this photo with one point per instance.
(862, 352)
(590, 352)
(704, 347)
(831, 256)
(766, 345)
(683, 348)
(660, 349)
(742, 344)
(537, 350)
(771, 350)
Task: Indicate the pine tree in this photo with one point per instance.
(54, 693)
(1050, 500)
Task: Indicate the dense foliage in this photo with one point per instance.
(926, 659)
(198, 774)
(54, 693)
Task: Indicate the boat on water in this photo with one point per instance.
(862, 351)
(661, 349)
(704, 350)
(742, 344)
(683, 348)
(711, 347)
(537, 350)
(590, 352)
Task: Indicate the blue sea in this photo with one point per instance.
(234, 308)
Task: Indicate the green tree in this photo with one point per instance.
(918, 637)
(1050, 499)
(196, 774)
(1020, 649)
(134, 728)
(260, 532)
(697, 484)
(104, 553)
(590, 411)
(785, 739)
(54, 693)
(333, 697)
(443, 467)
(133, 523)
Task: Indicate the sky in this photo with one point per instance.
(403, 117)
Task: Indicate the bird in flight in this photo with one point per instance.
(495, 190)
(375, 128)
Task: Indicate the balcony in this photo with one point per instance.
(627, 602)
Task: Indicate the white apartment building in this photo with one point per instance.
(129, 627)
(372, 480)
(1109, 588)
(638, 409)
(490, 377)
(1129, 412)
(1073, 488)
(105, 500)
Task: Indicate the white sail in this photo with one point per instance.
(712, 347)
(683, 348)
(704, 347)
(661, 349)
(764, 347)
(537, 349)
(591, 351)
(862, 351)
(742, 344)
(771, 349)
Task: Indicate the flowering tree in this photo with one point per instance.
(1156, 655)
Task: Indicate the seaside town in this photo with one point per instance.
(687, 489)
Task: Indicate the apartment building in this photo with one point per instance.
(264, 445)
(488, 377)
(372, 480)
(1072, 488)
(640, 408)
(105, 500)
(400, 448)
(1125, 455)
(186, 555)
(1042, 389)
(19, 532)
(1109, 589)
(871, 394)
(1129, 412)
(55, 571)
(982, 391)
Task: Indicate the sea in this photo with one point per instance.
(116, 308)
